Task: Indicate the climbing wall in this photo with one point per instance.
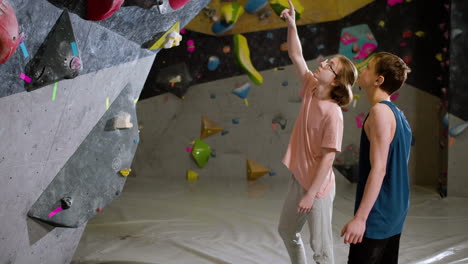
(256, 123)
(70, 83)
(415, 31)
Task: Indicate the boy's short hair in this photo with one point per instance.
(393, 69)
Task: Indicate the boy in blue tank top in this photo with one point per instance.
(382, 196)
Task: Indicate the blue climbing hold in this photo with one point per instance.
(221, 27)
(243, 90)
(253, 6)
(213, 63)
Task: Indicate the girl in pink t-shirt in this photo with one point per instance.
(315, 139)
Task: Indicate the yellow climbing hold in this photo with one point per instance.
(420, 34)
(242, 54)
(255, 170)
(125, 172)
(208, 128)
(192, 175)
(231, 12)
(160, 42)
(363, 63)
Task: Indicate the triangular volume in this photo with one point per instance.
(255, 170)
(9, 31)
(57, 58)
(208, 128)
(98, 10)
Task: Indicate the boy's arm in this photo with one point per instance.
(294, 44)
(380, 137)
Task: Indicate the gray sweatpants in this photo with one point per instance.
(319, 220)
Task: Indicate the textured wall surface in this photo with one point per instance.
(91, 179)
(42, 129)
(457, 174)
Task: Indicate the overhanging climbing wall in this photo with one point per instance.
(53, 131)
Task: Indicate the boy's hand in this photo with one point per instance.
(289, 14)
(353, 231)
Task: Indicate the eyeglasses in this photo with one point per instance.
(328, 66)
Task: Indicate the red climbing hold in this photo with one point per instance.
(177, 4)
(9, 31)
(101, 9)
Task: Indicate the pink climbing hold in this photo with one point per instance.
(394, 2)
(190, 45)
(98, 10)
(347, 38)
(359, 120)
(366, 50)
(9, 31)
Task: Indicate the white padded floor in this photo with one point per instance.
(231, 221)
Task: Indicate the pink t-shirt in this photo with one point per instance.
(318, 125)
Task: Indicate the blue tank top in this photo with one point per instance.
(388, 215)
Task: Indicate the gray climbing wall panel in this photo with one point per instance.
(91, 177)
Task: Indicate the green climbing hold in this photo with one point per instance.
(279, 5)
(201, 152)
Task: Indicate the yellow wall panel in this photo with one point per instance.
(315, 12)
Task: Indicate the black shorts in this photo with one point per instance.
(375, 251)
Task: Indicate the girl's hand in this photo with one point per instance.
(306, 204)
(289, 14)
